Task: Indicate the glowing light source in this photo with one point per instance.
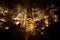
(17, 23)
(6, 11)
(42, 28)
(6, 27)
(55, 18)
(16, 18)
(46, 23)
(4, 20)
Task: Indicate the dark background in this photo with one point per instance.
(52, 32)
